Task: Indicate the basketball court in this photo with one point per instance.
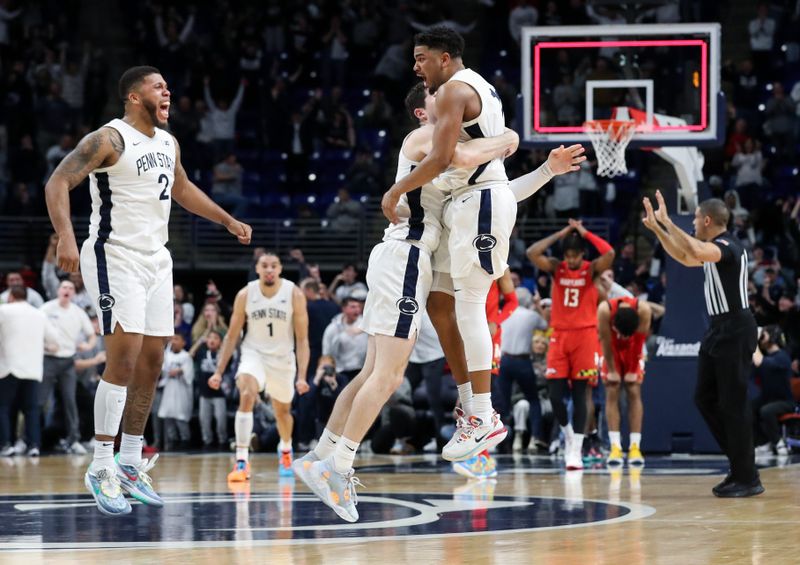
(413, 509)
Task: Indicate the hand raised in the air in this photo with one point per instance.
(661, 212)
(242, 231)
(649, 219)
(578, 226)
(566, 159)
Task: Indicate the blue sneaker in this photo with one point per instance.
(336, 490)
(107, 492)
(302, 465)
(285, 463)
(135, 480)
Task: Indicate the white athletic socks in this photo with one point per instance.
(482, 406)
(465, 396)
(615, 438)
(285, 446)
(327, 444)
(109, 403)
(568, 432)
(577, 444)
(243, 424)
(130, 449)
(344, 455)
(636, 439)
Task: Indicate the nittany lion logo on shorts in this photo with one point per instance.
(484, 242)
(408, 305)
(106, 302)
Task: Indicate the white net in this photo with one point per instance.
(609, 139)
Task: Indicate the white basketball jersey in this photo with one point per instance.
(489, 123)
(131, 199)
(420, 211)
(270, 324)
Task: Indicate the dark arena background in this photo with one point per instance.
(290, 115)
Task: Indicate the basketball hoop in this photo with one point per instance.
(609, 139)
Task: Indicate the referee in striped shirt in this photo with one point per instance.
(728, 345)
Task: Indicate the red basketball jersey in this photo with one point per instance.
(626, 346)
(574, 298)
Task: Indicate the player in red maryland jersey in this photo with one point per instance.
(572, 356)
(623, 324)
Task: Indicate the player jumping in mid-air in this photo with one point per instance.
(135, 172)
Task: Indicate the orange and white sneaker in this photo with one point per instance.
(337, 490)
(475, 437)
(240, 473)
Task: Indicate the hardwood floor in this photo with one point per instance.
(413, 510)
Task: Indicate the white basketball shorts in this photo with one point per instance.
(480, 223)
(275, 374)
(130, 288)
(399, 280)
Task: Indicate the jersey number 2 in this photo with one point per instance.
(571, 297)
(165, 180)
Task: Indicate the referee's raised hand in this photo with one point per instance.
(649, 219)
(661, 213)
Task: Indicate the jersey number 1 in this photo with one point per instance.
(571, 297)
(270, 329)
(165, 180)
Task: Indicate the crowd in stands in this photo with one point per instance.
(278, 101)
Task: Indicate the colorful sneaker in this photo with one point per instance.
(474, 438)
(635, 456)
(471, 468)
(285, 463)
(107, 491)
(301, 467)
(335, 489)
(240, 473)
(136, 481)
(489, 465)
(615, 456)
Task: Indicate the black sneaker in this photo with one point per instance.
(739, 490)
(725, 482)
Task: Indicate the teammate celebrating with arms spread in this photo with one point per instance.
(135, 172)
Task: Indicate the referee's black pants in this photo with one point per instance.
(721, 394)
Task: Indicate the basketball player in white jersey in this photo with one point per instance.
(399, 278)
(274, 350)
(480, 218)
(135, 172)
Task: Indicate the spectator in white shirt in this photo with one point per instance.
(523, 15)
(24, 331)
(345, 285)
(177, 376)
(15, 279)
(72, 326)
(345, 341)
(748, 162)
(222, 118)
(762, 38)
(515, 363)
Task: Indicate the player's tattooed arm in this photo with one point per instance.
(188, 195)
(99, 148)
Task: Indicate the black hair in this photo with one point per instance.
(271, 253)
(626, 321)
(132, 78)
(415, 99)
(715, 209)
(441, 38)
(573, 242)
(775, 335)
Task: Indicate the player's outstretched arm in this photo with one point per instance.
(451, 100)
(231, 340)
(301, 345)
(700, 251)
(188, 195)
(561, 160)
(536, 252)
(476, 152)
(93, 151)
